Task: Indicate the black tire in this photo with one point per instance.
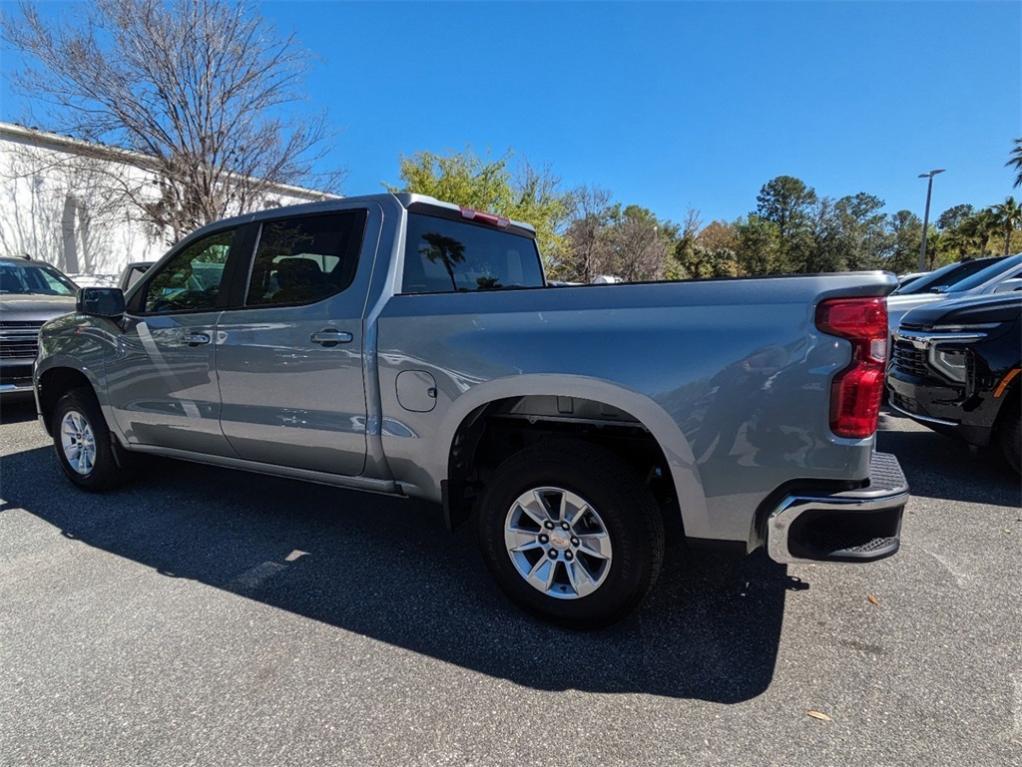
(625, 505)
(109, 468)
(1009, 435)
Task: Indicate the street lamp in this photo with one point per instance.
(926, 215)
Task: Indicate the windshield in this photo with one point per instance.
(943, 277)
(997, 268)
(33, 279)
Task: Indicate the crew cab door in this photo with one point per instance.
(162, 381)
(289, 358)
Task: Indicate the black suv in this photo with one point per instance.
(955, 368)
(31, 292)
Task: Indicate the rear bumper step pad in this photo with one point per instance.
(860, 525)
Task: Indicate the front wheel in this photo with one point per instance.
(571, 533)
(1009, 435)
(84, 445)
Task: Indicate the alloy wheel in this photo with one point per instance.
(557, 542)
(78, 442)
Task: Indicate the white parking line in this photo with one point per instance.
(254, 577)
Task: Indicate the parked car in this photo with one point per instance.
(930, 282)
(979, 277)
(31, 292)
(955, 368)
(132, 273)
(904, 280)
(401, 345)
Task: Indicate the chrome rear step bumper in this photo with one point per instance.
(860, 525)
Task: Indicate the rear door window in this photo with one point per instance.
(306, 259)
(445, 256)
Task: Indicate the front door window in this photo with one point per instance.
(190, 281)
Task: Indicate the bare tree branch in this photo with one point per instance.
(195, 86)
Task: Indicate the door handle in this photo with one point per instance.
(331, 337)
(197, 339)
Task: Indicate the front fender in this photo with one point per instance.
(75, 343)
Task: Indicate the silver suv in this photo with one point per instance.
(31, 292)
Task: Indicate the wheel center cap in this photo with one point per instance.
(559, 541)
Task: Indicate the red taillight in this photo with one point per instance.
(856, 391)
(485, 218)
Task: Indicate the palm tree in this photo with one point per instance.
(958, 240)
(1009, 217)
(980, 227)
(1015, 160)
(936, 241)
(446, 250)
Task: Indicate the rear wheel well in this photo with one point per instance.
(54, 384)
(1011, 404)
(1005, 433)
(494, 432)
(1010, 397)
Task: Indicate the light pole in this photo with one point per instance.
(926, 216)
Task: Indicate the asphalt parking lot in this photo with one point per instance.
(204, 617)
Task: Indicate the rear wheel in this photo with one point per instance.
(84, 445)
(571, 533)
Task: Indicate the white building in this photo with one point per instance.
(55, 206)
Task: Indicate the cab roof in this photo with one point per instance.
(407, 200)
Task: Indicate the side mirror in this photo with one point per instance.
(1007, 286)
(100, 302)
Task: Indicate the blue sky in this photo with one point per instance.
(674, 106)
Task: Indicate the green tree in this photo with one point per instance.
(960, 240)
(715, 251)
(466, 179)
(980, 228)
(863, 230)
(1009, 218)
(825, 243)
(849, 233)
(682, 264)
(936, 244)
(788, 203)
(629, 242)
(1015, 161)
(953, 217)
(758, 247)
(906, 232)
(640, 243)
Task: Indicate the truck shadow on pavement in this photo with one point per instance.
(17, 408)
(386, 568)
(942, 467)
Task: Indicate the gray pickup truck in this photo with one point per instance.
(401, 345)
